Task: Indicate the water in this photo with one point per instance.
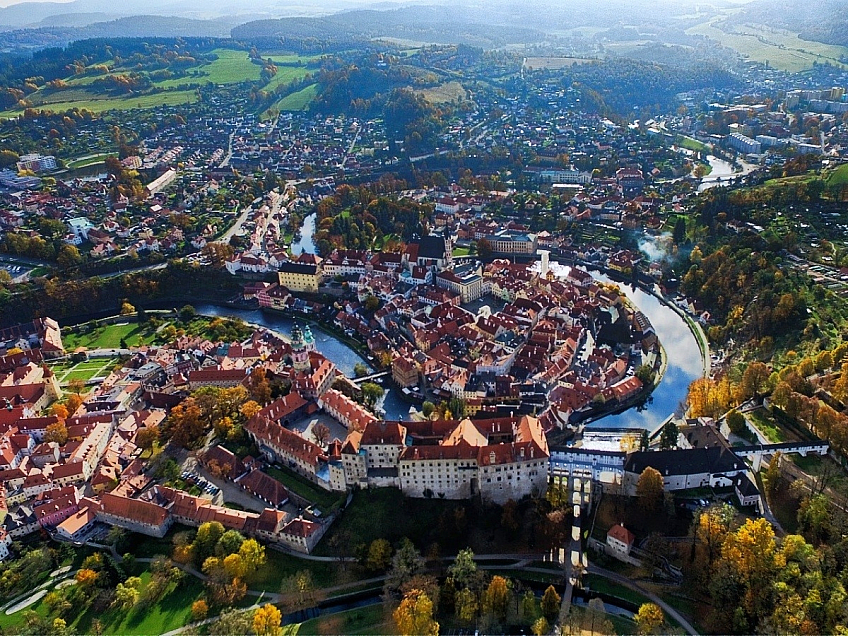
(328, 345)
(685, 363)
(307, 231)
(722, 172)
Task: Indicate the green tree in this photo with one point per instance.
(371, 392)
(736, 422)
(463, 570)
(427, 408)
(668, 437)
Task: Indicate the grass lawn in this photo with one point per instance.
(360, 621)
(89, 160)
(691, 144)
(767, 425)
(461, 251)
(101, 103)
(297, 484)
(605, 586)
(838, 176)
(231, 67)
(299, 100)
(279, 566)
(108, 336)
(285, 75)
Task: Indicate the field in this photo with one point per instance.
(552, 63)
(838, 176)
(85, 370)
(299, 100)
(231, 67)
(286, 74)
(444, 93)
(101, 103)
(360, 621)
(108, 337)
(781, 49)
(692, 144)
(89, 160)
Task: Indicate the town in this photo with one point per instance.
(321, 365)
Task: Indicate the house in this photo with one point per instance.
(78, 525)
(134, 514)
(715, 466)
(620, 539)
(300, 277)
(746, 491)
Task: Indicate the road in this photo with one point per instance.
(225, 238)
(229, 155)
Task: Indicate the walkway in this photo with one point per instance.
(368, 378)
(623, 580)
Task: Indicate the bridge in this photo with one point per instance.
(369, 378)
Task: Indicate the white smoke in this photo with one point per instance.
(657, 248)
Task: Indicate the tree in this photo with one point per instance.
(497, 597)
(187, 313)
(645, 374)
(484, 249)
(199, 610)
(372, 303)
(595, 618)
(541, 626)
(298, 591)
(379, 555)
(56, 432)
(146, 437)
(266, 621)
(321, 434)
(550, 602)
(772, 475)
(414, 615)
(127, 593)
(649, 619)
(466, 605)
(253, 554)
(360, 370)
(668, 437)
(206, 539)
(127, 309)
(249, 409)
(427, 409)
(68, 257)
(407, 562)
(87, 578)
(232, 623)
(736, 422)
(463, 570)
(229, 543)
(650, 488)
(234, 566)
(185, 424)
(371, 392)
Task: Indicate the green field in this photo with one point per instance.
(781, 49)
(85, 371)
(838, 176)
(99, 104)
(691, 144)
(90, 160)
(231, 67)
(107, 336)
(286, 74)
(298, 100)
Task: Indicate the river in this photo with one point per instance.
(722, 171)
(684, 360)
(305, 243)
(328, 345)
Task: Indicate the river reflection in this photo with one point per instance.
(328, 345)
(681, 347)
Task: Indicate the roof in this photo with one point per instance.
(384, 433)
(298, 268)
(692, 461)
(622, 534)
(431, 247)
(133, 509)
(265, 487)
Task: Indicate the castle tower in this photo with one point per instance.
(300, 354)
(308, 339)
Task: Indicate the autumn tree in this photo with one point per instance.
(649, 619)
(497, 597)
(266, 621)
(540, 626)
(650, 488)
(414, 615)
(595, 619)
(146, 437)
(185, 425)
(199, 610)
(379, 555)
(56, 432)
(550, 602)
(465, 605)
(252, 554)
